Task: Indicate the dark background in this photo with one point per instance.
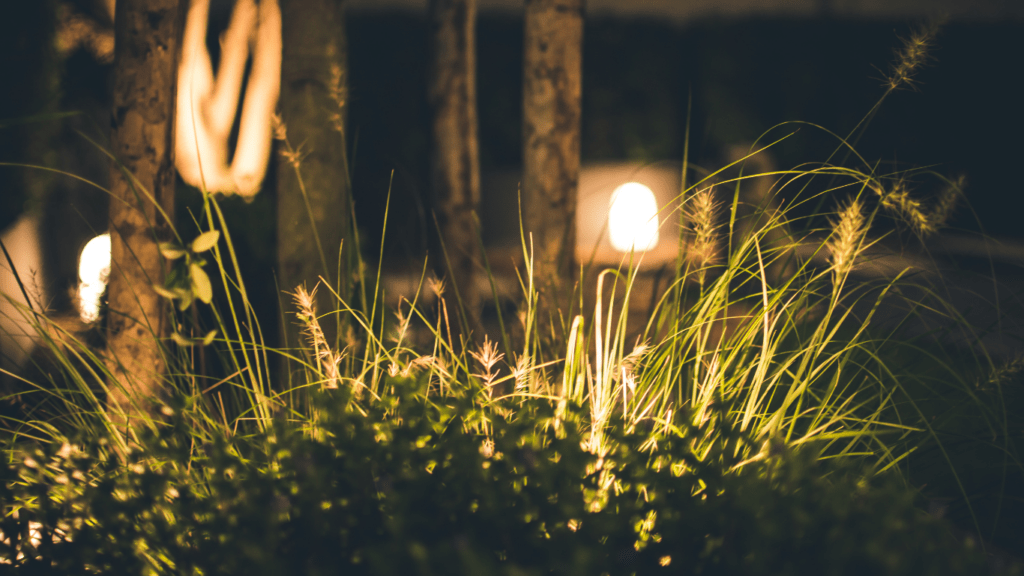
(743, 75)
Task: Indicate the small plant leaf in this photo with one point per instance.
(201, 283)
(171, 251)
(180, 340)
(170, 295)
(208, 339)
(205, 241)
(186, 301)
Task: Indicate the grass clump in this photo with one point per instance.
(409, 489)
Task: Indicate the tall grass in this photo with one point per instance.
(773, 331)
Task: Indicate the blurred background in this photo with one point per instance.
(745, 66)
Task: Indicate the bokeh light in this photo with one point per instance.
(93, 270)
(633, 218)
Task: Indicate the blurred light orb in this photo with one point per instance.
(93, 271)
(633, 218)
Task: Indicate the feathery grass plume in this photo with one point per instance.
(701, 214)
(294, 156)
(436, 286)
(1004, 373)
(636, 406)
(922, 222)
(629, 361)
(403, 323)
(338, 94)
(899, 201)
(627, 368)
(425, 362)
(947, 202)
(914, 54)
(280, 130)
(847, 234)
(521, 374)
(327, 360)
(488, 356)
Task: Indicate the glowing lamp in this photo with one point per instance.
(633, 218)
(93, 270)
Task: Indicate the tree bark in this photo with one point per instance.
(552, 79)
(455, 164)
(147, 36)
(313, 212)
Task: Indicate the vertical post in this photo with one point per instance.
(312, 185)
(147, 36)
(455, 165)
(552, 88)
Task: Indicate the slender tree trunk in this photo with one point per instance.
(312, 200)
(147, 35)
(455, 165)
(552, 78)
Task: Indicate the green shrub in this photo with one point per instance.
(408, 490)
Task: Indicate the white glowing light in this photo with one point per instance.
(93, 270)
(633, 218)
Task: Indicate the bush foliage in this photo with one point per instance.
(409, 489)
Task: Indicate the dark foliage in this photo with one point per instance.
(406, 490)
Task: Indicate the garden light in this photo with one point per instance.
(628, 206)
(633, 218)
(93, 270)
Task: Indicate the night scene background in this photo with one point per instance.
(748, 66)
(742, 66)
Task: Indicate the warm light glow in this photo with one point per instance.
(93, 270)
(633, 218)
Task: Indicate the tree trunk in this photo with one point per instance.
(552, 77)
(455, 165)
(147, 34)
(312, 185)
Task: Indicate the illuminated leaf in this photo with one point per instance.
(205, 241)
(171, 251)
(180, 340)
(170, 295)
(201, 283)
(208, 339)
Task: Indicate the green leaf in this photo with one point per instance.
(205, 241)
(170, 295)
(171, 251)
(208, 339)
(201, 283)
(186, 301)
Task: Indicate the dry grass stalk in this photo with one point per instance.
(701, 215)
(437, 286)
(338, 94)
(847, 235)
(922, 222)
(521, 373)
(900, 201)
(403, 324)
(327, 360)
(947, 201)
(488, 356)
(913, 56)
(280, 130)
(294, 156)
